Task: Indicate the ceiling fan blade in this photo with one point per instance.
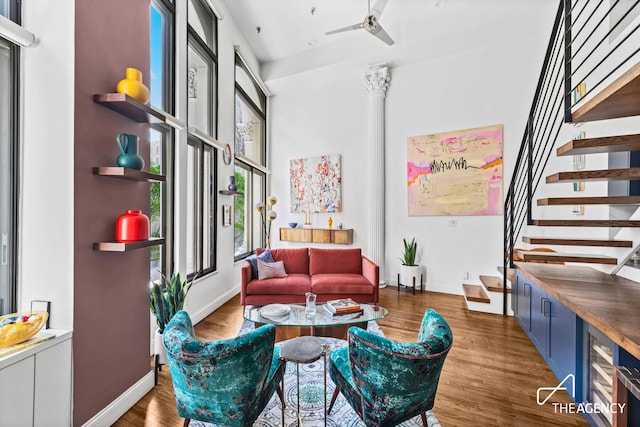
(380, 33)
(349, 28)
(378, 8)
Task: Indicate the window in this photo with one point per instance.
(201, 210)
(201, 156)
(9, 166)
(202, 64)
(161, 138)
(250, 148)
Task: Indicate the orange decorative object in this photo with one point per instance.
(132, 226)
(133, 86)
(16, 328)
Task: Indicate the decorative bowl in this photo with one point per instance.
(16, 328)
(293, 224)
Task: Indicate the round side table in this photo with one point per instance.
(304, 350)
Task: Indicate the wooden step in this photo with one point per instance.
(585, 223)
(578, 242)
(532, 256)
(494, 283)
(607, 144)
(619, 99)
(612, 200)
(475, 293)
(595, 175)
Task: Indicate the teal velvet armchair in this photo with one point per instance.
(226, 382)
(388, 382)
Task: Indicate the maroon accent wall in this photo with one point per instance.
(111, 290)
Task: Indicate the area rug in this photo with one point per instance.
(311, 396)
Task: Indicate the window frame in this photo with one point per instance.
(167, 8)
(201, 149)
(250, 212)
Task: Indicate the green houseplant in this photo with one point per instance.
(167, 298)
(410, 270)
(410, 250)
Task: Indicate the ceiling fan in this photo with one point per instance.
(370, 23)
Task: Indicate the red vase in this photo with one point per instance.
(132, 226)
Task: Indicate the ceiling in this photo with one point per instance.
(289, 32)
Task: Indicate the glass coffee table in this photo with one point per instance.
(296, 323)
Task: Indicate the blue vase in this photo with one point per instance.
(129, 158)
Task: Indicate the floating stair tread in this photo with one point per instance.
(612, 200)
(475, 293)
(619, 99)
(494, 283)
(566, 257)
(607, 144)
(595, 175)
(585, 223)
(611, 243)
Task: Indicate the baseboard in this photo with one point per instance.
(213, 305)
(431, 287)
(123, 403)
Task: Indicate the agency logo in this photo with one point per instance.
(559, 387)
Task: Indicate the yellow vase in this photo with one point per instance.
(133, 86)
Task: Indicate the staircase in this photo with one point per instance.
(561, 98)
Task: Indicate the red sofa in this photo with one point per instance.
(329, 273)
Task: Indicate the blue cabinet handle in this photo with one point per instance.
(527, 286)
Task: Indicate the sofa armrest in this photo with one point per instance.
(371, 272)
(245, 278)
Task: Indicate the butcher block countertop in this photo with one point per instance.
(609, 303)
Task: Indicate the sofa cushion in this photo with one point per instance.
(346, 261)
(341, 284)
(294, 284)
(269, 270)
(264, 255)
(296, 260)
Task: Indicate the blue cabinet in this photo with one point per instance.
(521, 302)
(554, 330)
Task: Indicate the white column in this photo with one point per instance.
(377, 81)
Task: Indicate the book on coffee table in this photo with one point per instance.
(342, 306)
(354, 313)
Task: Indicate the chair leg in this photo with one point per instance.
(333, 399)
(424, 419)
(186, 422)
(280, 395)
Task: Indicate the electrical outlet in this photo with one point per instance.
(453, 223)
(465, 275)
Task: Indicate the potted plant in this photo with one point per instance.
(409, 268)
(166, 299)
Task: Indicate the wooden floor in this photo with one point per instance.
(490, 376)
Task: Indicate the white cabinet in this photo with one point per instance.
(16, 393)
(35, 384)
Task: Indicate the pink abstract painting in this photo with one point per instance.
(455, 173)
(316, 184)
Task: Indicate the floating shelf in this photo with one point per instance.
(130, 174)
(136, 110)
(231, 193)
(129, 107)
(123, 247)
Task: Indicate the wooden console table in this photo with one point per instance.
(317, 235)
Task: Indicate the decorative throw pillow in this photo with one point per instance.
(269, 270)
(253, 260)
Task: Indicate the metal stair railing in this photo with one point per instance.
(576, 54)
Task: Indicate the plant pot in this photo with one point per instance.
(159, 349)
(408, 272)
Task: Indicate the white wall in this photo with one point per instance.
(47, 158)
(325, 112)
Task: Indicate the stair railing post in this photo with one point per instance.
(568, 115)
(529, 169)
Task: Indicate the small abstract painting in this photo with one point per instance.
(316, 184)
(455, 173)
